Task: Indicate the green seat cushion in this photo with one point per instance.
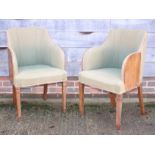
(108, 79)
(38, 74)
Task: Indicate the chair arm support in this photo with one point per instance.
(13, 65)
(131, 70)
(96, 57)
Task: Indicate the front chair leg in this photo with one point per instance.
(141, 103)
(18, 102)
(81, 97)
(45, 91)
(118, 111)
(64, 85)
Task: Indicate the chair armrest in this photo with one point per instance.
(131, 70)
(55, 55)
(13, 64)
(96, 57)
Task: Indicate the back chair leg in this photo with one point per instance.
(81, 97)
(112, 99)
(64, 94)
(18, 102)
(13, 94)
(45, 91)
(141, 103)
(118, 111)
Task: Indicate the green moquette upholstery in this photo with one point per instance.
(37, 59)
(102, 65)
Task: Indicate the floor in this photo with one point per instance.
(45, 118)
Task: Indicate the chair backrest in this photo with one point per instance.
(28, 44)
(123, 42)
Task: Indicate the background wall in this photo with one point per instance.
(75, 36)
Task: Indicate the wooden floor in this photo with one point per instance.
(40, 117)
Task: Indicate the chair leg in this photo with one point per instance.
(64, 94)
(18, 102)
(118, 111)
(13, 94)
(45, 91)
(81, 97)
(112, 99)
(141, 103)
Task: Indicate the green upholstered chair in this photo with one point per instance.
(116, 66)
(36, 60)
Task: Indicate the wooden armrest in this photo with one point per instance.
(10, 64)
(131, 70)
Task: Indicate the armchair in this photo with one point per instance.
(36, 60)
(116, 66)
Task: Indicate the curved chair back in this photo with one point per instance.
(28, 44)
(123, 42)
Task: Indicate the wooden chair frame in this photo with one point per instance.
(131, 78)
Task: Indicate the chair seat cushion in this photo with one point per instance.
(38, 74)
(108, 79)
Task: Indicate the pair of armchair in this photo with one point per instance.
(115, 66)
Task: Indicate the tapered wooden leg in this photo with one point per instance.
(81, 97)
(45, 91)
(141, 103)
(118, 111)
(13, 94)
(18, 102)
(112, 99)
(64, 106)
